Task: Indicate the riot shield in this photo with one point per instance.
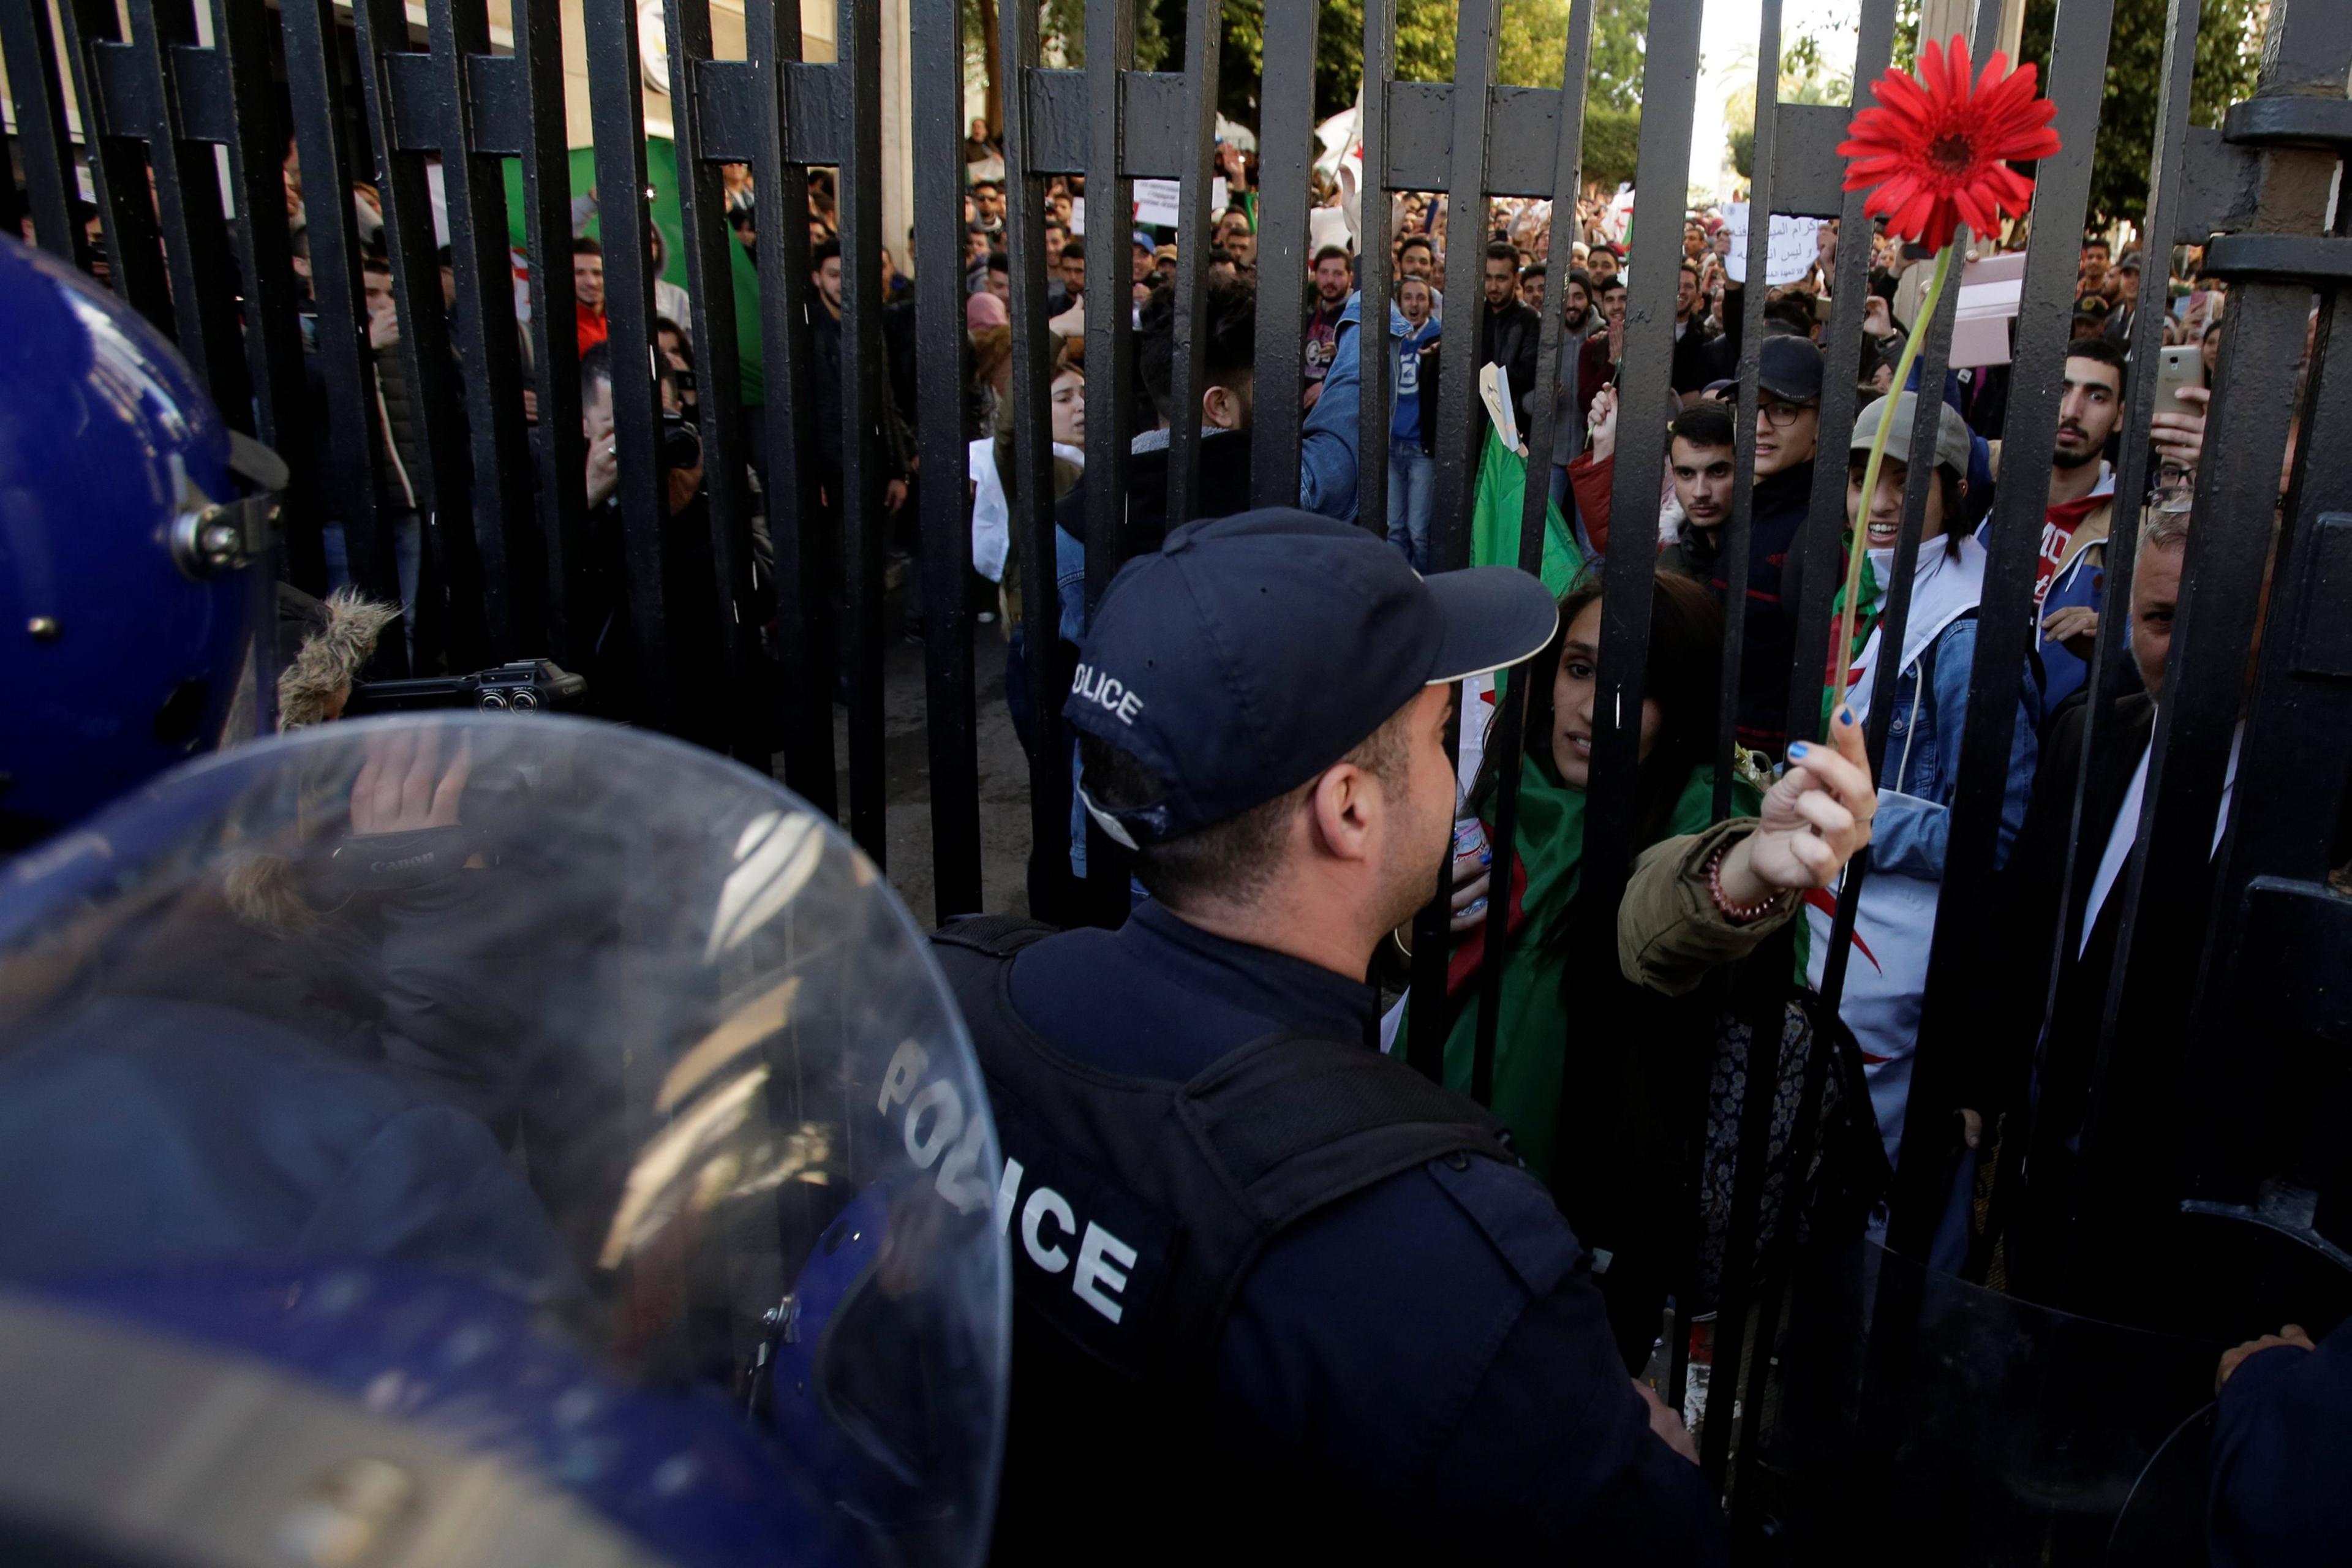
(578, 1100)
(1910, 1417)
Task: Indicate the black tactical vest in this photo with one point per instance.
(1135, 1209)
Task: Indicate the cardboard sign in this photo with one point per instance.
(1789, 254)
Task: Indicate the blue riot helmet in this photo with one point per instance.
(135, 593)
(536, 1140)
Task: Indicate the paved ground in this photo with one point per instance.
(1003, 779)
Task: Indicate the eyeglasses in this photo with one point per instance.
(1781, 415)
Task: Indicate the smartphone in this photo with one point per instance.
(2178, 366)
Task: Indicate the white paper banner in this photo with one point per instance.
(1789, 254)
(1160, 202)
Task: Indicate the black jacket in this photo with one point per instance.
(1224, 491)
(1509, 337)
(1781, 503)
(2031, 922)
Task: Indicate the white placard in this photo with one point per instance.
(1160, 202)
(1078, 214)
(1157, 202)
(1788, 255)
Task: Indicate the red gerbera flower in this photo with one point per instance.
(1936, 145)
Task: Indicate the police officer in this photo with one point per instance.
(1276, 1293)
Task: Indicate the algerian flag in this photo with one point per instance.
(1494, 520)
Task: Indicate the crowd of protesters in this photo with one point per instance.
(1722, 919)
(1934, 683)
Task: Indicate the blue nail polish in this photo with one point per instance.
(1485, 856)
(1845, 715)
(1797, 752)
(1474, 907)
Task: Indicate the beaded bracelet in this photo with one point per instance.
(1737, 914)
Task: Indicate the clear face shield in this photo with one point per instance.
(528, 1033)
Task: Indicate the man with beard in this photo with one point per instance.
(1508, 331)
(1417, 257)
(2068, 579)
(1604, 344)
(1334, 276)
(1693, 363)
(1603, 266)
(1577, 322)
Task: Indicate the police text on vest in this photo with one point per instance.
(1046, 1221)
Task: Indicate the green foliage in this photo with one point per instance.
(1529, 53)
(1612, 140)
(1906, 35)
(1064, 23)
(2229, 51)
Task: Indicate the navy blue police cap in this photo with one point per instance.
(1253, 652)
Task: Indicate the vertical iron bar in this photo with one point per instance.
(788, 353)
(1509, 738)
(188, 206)
(489, 354)
(1111, 346)
(1203, 31)
(1962, 950)
(618, 116)
(1375, 353)
(559, 449)
(2163, 222)
(2297, 752)
(1286, 151)
(118, 169)
(1031, 521)
(1741, 1249)
(273, 342)
(29, 49)
(1111, 364)
(1461, 427)
(864, 381)
(1818, 546)
(1737, 528)
(1669, 97)
(2130, 1158)
(705, 240)
(443, 501)
(1934, 352)
(950, 702)
(346, 365)
(1461, 423)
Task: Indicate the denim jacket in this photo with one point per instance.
(1922, 758)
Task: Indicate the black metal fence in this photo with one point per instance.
(504, 504)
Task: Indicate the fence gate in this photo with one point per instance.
(2221, 1084)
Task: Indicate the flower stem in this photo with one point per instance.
(1920, 323)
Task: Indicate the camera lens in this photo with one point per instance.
(681, 447)
(525, 698)
(494, 699)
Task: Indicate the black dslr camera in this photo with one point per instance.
(526, 685)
